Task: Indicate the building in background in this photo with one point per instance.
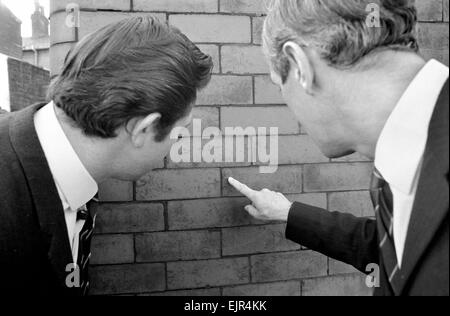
(36, 49)
(21, 82)
(10, 36)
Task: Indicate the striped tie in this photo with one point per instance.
(382, 200)
(84, 246)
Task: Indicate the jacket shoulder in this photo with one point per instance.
(13, 187)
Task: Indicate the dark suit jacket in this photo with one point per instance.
(425, 269)
(34, 244)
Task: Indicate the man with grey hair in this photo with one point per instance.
(351, 73)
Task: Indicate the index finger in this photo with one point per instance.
(245, 190)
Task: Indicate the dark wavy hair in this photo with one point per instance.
(338, 29)
(130, 69)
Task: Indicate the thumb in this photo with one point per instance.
(252, 210)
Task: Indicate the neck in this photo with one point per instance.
(90, 151)
(374, 96)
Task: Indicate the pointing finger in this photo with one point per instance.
(245, 190)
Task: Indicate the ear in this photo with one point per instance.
(143, 129)
(300, 63)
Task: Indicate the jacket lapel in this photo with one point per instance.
(432, 200)
(45, 196)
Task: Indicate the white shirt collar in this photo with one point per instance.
(75, 185)
(403, 140)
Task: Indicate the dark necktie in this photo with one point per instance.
(84, 246)
(382, 200)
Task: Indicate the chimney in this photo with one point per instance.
(39, 21)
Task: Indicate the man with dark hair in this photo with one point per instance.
(357, 84)
(121, 92)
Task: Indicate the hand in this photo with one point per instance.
(267, 205)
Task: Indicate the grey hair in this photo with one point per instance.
(337, 29)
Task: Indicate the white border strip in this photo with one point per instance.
(4, 84)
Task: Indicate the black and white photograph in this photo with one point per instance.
(224, 153)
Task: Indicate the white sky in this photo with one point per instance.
(23, 9)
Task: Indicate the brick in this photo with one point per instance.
(213, 51)
(57, 55)
(118, 5)
(355, 203)
(213, 28)
(285, 180)
(252, 240)
(298, 150)
(112, 249)
(191, 293)
(243, 60)
(115, 191)
(126, 279)
(337, 177)
(92, 21)
(225, 90)
(198, 274)
(129, 218)
(347, 285)
(211, 213)
(27, 84)
(291, 288)
(429, 10)
(176, 5)
(89, 22)
(440, 55)
(433, 36)
(257, 29)
(247, 6)
(288, 266)
(223, 212)
(266, 92)
(314, 199)
(61, 33)
(179, 184)
(337, 267)
(277, 116)
(231, 152)
(172, 246)
(209, 117)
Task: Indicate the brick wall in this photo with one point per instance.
(27, 84)
(433, 29)
(181, 230)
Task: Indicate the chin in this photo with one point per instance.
(335, 152)
(131, 176)
(140, 171)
